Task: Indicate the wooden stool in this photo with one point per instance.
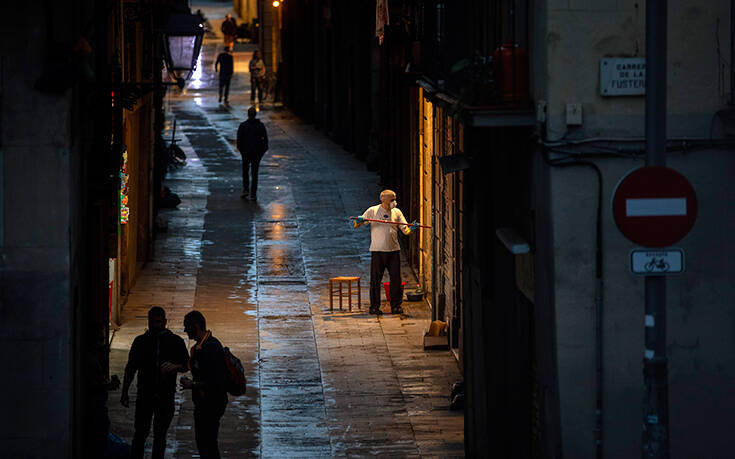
(339, 281)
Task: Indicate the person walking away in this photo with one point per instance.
(384, 249)
(226, 67)
(252, 142)
(208, 390)
(257, 77)
(156, 355)
(229, 30)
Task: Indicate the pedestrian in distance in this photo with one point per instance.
(229, 30)
(384, 249)
(208, 384)
(156, 355)
(225, 66)
(257, 77)
(252, 142)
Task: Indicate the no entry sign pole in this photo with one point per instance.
(655, 207)
(655, 363)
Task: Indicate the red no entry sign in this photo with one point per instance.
(654, 206)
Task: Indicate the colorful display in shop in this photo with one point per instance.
(124, 209)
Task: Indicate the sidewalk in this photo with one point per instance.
(320, 384)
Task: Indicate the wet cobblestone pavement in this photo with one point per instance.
(320, 384)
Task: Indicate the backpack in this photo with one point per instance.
(235, 381)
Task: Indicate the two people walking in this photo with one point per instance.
(225, 66)
(252, 138)
(157, 356)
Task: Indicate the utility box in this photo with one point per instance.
(574, 114)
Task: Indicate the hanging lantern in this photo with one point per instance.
(182, 41)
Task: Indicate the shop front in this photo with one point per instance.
(439, 261)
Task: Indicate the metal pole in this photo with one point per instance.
(655, 366)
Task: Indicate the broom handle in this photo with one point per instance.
(389, 222)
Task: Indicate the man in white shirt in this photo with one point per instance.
(384, 249)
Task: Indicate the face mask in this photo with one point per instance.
(393, 204)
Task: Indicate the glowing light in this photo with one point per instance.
(196, 77)
(278, 211)
(276, 4)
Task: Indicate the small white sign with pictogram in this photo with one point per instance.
(651, 262)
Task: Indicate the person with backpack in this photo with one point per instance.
(156, 355)
(208, 384)
(252, 142)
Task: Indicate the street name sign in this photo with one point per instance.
(654, 206)
(623, 76)
(651, 262)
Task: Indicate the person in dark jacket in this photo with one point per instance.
(252, 141)
(225, 66)
(229, 30)
(208, 390)
(156, 355)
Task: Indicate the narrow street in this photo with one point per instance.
(320, 383)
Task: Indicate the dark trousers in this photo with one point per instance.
(224, 85)
(162, 411)
(250, 163)
(378, 263)
(206, 429)
(256, 85)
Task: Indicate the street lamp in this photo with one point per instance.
(182, 41)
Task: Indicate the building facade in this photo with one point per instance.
(699, 133)
(81, 114)
(491, 118)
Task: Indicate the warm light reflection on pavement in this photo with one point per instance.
(196, 77)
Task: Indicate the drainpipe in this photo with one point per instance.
(598, 347)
